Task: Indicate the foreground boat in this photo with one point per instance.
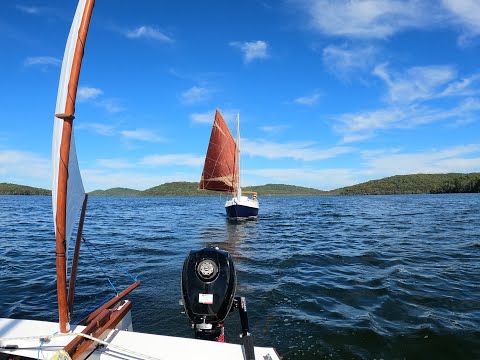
(107, 333)
(221, 171)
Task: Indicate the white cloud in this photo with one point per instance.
(33, 10)
(195, 95)
(369, 18)
(467, 14)
(111, 105)
(174, 159)
(203, 118)
(297, 151)
(417, 83)
(363, 125)
(344, 60)
(142, 135)
(274, 128)
(326, 179)
(25, 168)
(88, 93)
(252, 50)
(100, 129)
(148, 32)
(464, 158)
(308, 100)
(42, 61)
(115, 163)
(105, 179)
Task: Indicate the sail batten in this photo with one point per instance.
(220, 172)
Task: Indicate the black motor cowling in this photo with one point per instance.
(208, 290)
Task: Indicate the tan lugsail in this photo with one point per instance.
(220, 172)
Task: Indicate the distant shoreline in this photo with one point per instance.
(393, 185)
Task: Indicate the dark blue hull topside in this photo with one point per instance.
(239, 211)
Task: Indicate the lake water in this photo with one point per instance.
(365, 277)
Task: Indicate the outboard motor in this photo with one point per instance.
(208, 290)
(208, 294)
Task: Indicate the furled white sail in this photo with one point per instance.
(75, 189)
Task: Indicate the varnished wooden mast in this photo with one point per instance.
(68, 116)
(76, 253)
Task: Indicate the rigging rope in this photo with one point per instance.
(62, 355)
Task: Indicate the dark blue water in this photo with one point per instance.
(366, 277)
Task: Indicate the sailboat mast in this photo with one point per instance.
(239, 189)
(61, 211)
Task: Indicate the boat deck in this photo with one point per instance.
(27, 335)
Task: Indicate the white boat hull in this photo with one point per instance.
(123, 344)
(244, 207)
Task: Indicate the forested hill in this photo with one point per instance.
(416, 184)
(399, 184)
(191, 189)
(118, 191)
(14, 189)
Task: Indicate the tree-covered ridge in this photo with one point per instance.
(399, 184)
(14, 189)
(118, 191)
(416, 184)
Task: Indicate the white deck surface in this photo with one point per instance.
(123, 344)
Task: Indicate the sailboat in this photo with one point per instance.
(221, 171)
(107, 333)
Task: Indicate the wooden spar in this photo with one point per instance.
(68, 116)
(76, 253)
(110, 303)
(81, 348)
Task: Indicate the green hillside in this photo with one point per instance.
(13, 189)
(399, 184)
(118, 191)
(283, 190)
(416, 184)
(180, 188)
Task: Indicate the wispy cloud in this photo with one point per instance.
(363, 125)
(203, 118)
(252, 49)
(42, 61)
(298, 151)
(115, 163)
(88, 93)
(142, 135)
(369, 19)
(111, 105)
(465, 158)
(105, 178)
(308, 100)
(467, 14)
(274, 129)
(417, 83)
(174, 159)
(326, 179)
(24, 167)
(98, 128)
(33, 10)
(148, 32)
(195, 95)
(345, 60)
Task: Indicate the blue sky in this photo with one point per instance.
(330, 93)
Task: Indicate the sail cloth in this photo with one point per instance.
(220, 172)
(75, 189)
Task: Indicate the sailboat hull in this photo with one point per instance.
(244, 208)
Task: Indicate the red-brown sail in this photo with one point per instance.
(220, 172)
